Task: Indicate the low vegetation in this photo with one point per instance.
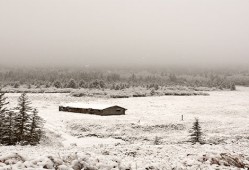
(130, 133)
(139, 92)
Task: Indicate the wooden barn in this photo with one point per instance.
(97, 109)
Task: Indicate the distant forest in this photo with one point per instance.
(120, 78)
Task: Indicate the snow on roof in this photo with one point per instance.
(88, 106)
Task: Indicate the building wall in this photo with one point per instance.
(79, 110)
(109, 111)
(114, 111)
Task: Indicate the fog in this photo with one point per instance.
(124, 32)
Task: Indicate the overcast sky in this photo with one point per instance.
(88, 32)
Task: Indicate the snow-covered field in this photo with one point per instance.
(127, 141)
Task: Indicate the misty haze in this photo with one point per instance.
(124, 32)
(124, 84)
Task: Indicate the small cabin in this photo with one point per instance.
(97, 109)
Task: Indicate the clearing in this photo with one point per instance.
(224, 117)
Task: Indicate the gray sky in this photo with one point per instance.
(142, 32)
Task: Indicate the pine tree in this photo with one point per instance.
(94, 84)
(117, 87)
(36, 127)
(172, 78)
(16, 85)
(22, 119)
(232, 87)
(29, 86)
(8, 136)
(57, 84)
(3, 111)
(196, 135)
(72, 84)
(156, 141)
(152, 92)
(3, 104)
(82, 84)
(102, 84)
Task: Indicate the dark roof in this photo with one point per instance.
(90, 106)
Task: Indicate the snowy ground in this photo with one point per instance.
(224, 117)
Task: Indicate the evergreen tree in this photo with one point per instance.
(57, 84)
(196, 135)
(113, 86)
(36, 127)
(82, 84)
(22, 119)
(232, 87)
(156, 86)
(29, 86)
(3, 103)
(16, 85)
(8, 136)
(156, 141)
(172, 78)
(3, 111)
(102, 84)
(117, 87)
(152, 92)
(94, 84)
(47, 85)
(72, 84)
(133, 77)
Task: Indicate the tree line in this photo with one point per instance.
(19, 125)
(118, 79)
